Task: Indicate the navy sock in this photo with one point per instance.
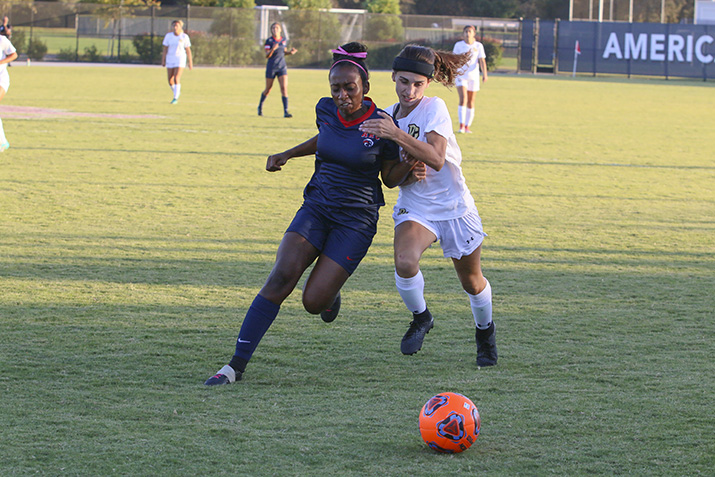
(258, 319)
(285, 103)
(263, 98)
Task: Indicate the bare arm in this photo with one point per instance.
(483, 67)
(190, 58)
(163, 55)
(272, 50)
(396, 172)
(10, 58)
(432, 152)
(275, 161)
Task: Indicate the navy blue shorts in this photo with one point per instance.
(344, 235)
(272, 73)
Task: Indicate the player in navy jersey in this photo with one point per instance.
(276, 67)
(338, 219)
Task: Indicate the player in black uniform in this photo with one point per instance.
(276, 67)
(338, 219)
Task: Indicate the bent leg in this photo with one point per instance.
(171, 73)
(269, 85)
(323, 285)
(411, 240)
(294, 256)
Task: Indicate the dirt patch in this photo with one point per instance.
(28, 112)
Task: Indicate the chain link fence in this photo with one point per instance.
(56, 31)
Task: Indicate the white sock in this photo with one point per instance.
(177, 91)
(482, 307)
(412, 292)
(3, 139)
(470, 116)
(462, 115)
(229, 372)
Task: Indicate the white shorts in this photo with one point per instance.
(4, 81)
(470, 83)
(457, 237)
(174, 63)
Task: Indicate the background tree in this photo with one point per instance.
(386, 25)
(311, 31)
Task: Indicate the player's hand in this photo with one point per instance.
(419, 171)
(384, 127)
(275, 161)
(293, 51)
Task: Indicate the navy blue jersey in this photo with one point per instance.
(348, 161)
(277, 60)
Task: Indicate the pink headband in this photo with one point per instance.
(340, 51)
(349, 61)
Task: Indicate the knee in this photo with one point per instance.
(314, 304)
(279, 285)
(474, 284)
(407, 264)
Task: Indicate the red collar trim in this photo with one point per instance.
(362, 118)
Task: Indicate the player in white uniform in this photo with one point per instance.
(7, 54)
(177, 51)
(434, 201)
(468, 81)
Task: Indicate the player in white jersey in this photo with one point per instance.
(469, 79)
(434, 201)
(176, 54)
(7, 54)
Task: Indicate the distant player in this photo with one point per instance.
(6, 28)
(434, 202)
(7, 54)
(176, 54)
(469, 79)
(276, 67)
(338, 219)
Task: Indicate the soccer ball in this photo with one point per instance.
(449, 423)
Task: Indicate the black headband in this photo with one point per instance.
(413, 66)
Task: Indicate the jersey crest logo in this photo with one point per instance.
(368, 142)
(413, 130)
(402, 211)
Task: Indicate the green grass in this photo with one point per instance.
(130, 249)
(57, 39)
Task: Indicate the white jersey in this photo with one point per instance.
(443, 194)
(6, 49)
(176, 53)
(471, 69)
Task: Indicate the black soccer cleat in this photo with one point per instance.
(331, 313)
(419, 327)
(287, 115)
(486, 346)
(225, 375)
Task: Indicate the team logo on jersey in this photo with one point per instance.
(368, 140)
(413, 130)
(402, 211)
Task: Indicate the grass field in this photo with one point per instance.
(133, 239)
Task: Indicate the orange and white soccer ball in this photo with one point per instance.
(449, 423)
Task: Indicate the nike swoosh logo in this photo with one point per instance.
(350, 259)
(243, 341)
